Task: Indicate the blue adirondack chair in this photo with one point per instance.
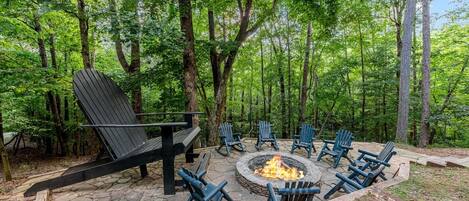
(373, 161)
(200, 189)
(304, 191)
(266, 135)
(229, 139)
(357, 180)
(341, 146)
(304, 139)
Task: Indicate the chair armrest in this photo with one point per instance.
(329, 141)
(369, 159)
(364, 152)
(272, 195)
(216, 190)
(357, 170)
(298, 191)
(346, 147)
(201, 174)
(296, 136)
(349, 181)
(236, 134)
(167, 113)
(134, 125)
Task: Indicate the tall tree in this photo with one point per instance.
(403, 107)
(83, 21)
(304, 85)
(425, 125)
(227, 56)
(133, 67)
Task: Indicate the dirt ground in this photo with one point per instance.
(29, 162)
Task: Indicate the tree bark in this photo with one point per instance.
(425, 125)
(190, 68)
(49, 95)
(84, 28)
(289, 95)
(304, 86)
(263, 83)
(4, 153)
(403, 107)
(363, 75)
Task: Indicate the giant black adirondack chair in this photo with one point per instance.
(368, 160)
(341, 146)
(229, 139)
(266, 135)
(304, 139)
(109, 113)
(357, 180)
(294, 191)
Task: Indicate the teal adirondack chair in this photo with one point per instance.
(372, 161)
(200, 189)
(357, 180)
(229, 139)
(341, 146)
(266, 135)
(297, 191)
(304, 139)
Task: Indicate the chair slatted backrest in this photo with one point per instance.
(343, 137)
(387, 152)
(298, 191)
(195, 186)
(226, 130)
(307, 133)
(265, 130)
(103, 102)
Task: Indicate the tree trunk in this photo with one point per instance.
(263, 83)
(397, 8)
(4, 153)
(403, 107)
(279, 56)
(49, 95)
(55, 104)
(190, 68)
(84, 27)
(304, 86)
(362, 62)
(425, 125)
(289, 95)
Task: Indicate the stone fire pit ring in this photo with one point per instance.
(257, 184)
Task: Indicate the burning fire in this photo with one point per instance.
(275, 168)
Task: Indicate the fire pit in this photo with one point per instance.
(255, 170)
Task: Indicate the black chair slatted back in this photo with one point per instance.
(103, 102)
(226, 130)
(297, 185)
(307, 133)
(343, 137)
(386, 152)
(265, 130)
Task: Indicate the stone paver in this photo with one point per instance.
(127, 185)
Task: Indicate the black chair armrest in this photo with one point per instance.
(236, 134)
(357, 170)
(329, 141)
(368, 153)
(216, 190)
(167, 113)
(134, 125)
(349, 181)
(369, 159)
(346, 147)
(296, 136)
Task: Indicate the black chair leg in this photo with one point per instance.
(143, 170)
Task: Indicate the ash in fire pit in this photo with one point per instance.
(255, 170)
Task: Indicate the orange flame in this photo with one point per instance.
(275, 168)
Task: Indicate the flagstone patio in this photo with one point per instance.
(128, 185)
